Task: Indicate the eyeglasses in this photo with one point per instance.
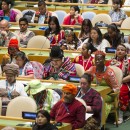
(55, 60)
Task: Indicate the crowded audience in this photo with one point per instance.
(47, 71)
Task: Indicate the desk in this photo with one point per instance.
(10, 121)
(39, 55)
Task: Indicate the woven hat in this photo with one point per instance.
(11, 69)
(35, 86)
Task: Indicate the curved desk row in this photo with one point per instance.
(24, 124)
(41, 55)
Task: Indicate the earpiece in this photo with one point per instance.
(63, 59)
(9, 6)
(89, 51)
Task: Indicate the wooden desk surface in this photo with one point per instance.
(26, 124)
(39, 55)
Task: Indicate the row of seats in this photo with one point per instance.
(86, 15)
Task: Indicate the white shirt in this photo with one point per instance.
(18, 86)
(100, 47)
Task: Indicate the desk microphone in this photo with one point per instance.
(42, 46)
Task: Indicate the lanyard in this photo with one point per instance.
(9, 91)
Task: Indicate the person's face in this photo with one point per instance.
(94, 35)
(68, 97)
(4, 27)
(115, 6)
(84, 50)
(23, 26)
(111, 33)
(121, 51)
(56, 63)
(52, 25)
(20, 62)
(4, 6)
(41, 119)
(72, 11)
(42, 9)
(85, 27)
(99, 60)
(12, 51)
(10, 78)
(69, 37)
(84, 84)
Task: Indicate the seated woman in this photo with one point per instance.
(10, 88)
(8, 13)
(28, 69)
(122, 61)
(91, 97)
(117, 14)
(85, 30)
(44, 98)
(105, 76)
(59, 68)
(71, 42)
(13, 48)
(74, 17)
(96, 40)
(113, 35)
(85, 59)
(54, 32)
(43, 121)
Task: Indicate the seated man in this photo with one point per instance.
(59, 67)
(42, 16)
(91, 97)
(45, 98)
(10, 88)
(68, 109)
(5, 33)
(24, 33)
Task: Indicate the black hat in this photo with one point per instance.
(56, 52)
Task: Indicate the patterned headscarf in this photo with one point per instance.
(11, 69)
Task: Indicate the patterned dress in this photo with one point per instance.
(86, 63)
(124, 96)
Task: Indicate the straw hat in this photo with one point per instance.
(35, 86)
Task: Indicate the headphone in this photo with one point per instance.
(63, 58)
(9, 6)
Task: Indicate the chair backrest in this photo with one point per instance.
(105, 18)
(88, 15)
(60, 15)
(27, 10)
(0, 105)
(79, 69)
(126, 23)
(19, 12)
(110, 2)
(38, 42)
(20, 104)
(118, 73)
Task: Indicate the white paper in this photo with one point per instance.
(88, 115)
